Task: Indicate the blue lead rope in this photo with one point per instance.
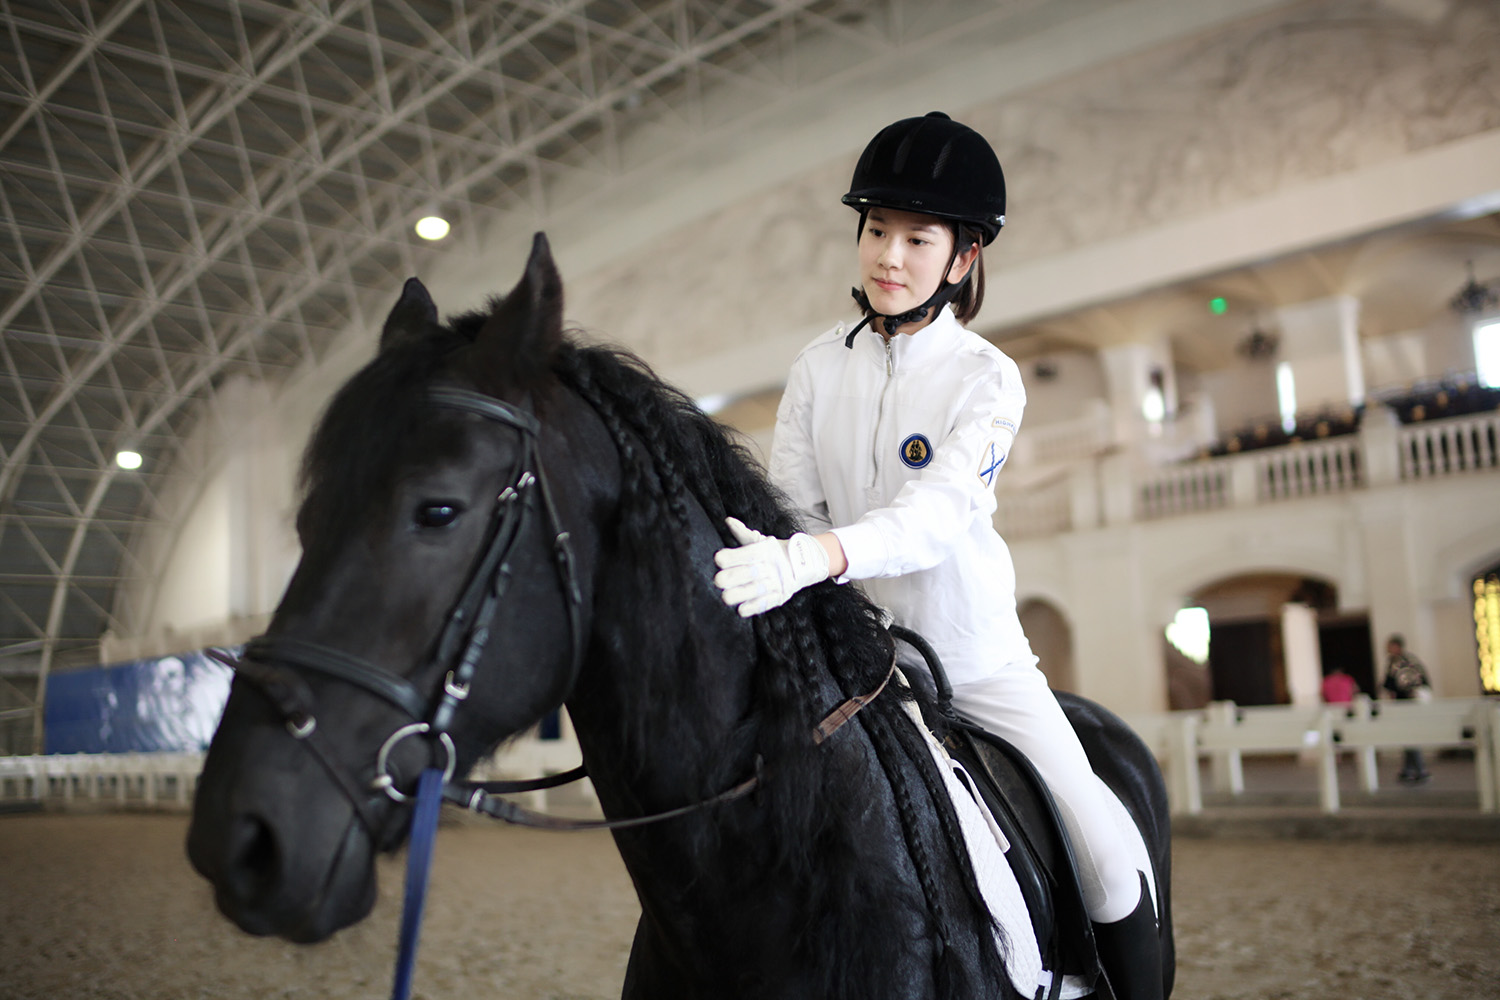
(418, 865)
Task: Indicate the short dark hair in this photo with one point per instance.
(971, 297)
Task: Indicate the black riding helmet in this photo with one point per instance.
(935, 166)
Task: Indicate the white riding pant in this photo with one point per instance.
(1016, 704)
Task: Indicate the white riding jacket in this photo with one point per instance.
(895, 447)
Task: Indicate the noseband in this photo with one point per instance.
(274, 664)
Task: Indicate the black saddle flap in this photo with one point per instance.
(1040, 855)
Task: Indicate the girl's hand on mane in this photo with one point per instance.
(764, 572)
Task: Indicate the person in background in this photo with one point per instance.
(1338, 687)
(1405, 679)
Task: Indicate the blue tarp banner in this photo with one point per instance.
(171, 703)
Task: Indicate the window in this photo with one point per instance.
(1189, 633)
(1286, 396)
(1487, 352)
(1487, 630)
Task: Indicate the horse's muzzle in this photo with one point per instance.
(297, 873)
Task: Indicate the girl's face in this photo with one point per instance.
(902, 256)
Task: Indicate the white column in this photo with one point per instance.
(1127, 371)
(1300, 654)
(1320, 341)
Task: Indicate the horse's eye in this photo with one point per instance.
(437, 514)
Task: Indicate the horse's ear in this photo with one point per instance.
(517, 341)
(413, 315)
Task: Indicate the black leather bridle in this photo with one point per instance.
(274, 664)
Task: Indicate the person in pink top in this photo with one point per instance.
(1339, 687)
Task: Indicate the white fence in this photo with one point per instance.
(153, 779)
(1225, 733)
(167, 780)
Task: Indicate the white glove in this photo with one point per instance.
(763, 572)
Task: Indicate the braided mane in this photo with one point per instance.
(674, 458)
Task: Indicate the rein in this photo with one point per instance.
(481, 797)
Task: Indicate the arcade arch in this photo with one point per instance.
(1271, 634)
(1051, 638)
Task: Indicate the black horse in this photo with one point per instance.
(589, 582)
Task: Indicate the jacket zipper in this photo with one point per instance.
(890, 373)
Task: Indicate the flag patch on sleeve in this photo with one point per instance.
(990, 461)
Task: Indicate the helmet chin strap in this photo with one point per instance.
(945, 294)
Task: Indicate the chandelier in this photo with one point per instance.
(1473, 297)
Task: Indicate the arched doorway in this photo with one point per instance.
(1273, 635)
(1051, 640)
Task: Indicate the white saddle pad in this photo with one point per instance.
(997, 883)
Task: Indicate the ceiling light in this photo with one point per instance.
(128, 459)
(432, 227)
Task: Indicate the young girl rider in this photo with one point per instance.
(888, 439)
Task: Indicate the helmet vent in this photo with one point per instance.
(942, 159)
(898, 164)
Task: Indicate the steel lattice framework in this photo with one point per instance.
(192, 190)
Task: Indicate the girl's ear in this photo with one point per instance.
(962, 263)
(516, 343)
(413, 315)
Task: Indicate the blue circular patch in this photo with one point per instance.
(916, 451)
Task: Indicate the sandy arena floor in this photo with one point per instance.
(99, 907)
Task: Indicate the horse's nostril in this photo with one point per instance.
(254, 860)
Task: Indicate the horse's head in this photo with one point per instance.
(436, 593)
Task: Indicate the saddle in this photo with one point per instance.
(1040, 855)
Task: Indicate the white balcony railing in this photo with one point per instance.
(1042, 509)
(1447, 447)
(1113, 489)
(1186, 489)
(1308, 469)
(1084, 436)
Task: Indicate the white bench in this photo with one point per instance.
(1229, 731)
(1438, 724)
(1225, 732)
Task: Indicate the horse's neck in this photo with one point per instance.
(663, 698)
